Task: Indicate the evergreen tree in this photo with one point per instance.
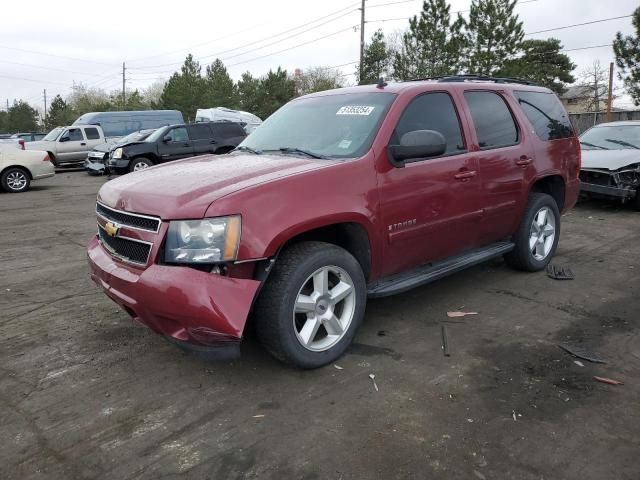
(376, 60)
(220, 90)
(276, 89)
(248, 89)
(4, 122)
(135, 101)
(541, 62)
(22, 118)
(185, 90)
(432, 45)
(494, 35)
(59, 114)
(627, 50)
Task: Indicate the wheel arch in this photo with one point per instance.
(553, 185)
(21, 167)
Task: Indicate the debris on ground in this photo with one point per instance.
(445, 340)
(579, 363)
(581, 353)
(609, 381)
(373, 379)
(513, 414)
(338, 367)
(258, 416)
(382, 333)
(559, 273)
(460, 314)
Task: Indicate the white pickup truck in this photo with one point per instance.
(69, 145)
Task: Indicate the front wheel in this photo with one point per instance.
(537, 236)
(312, 304)
(15, 180)
(140, 164)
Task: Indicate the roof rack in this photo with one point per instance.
(477, 78)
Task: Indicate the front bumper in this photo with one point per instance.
(186, 305)
(118, 163)
(619, 192)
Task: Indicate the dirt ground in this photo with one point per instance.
(87, 393)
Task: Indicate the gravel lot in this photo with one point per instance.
(87, 393)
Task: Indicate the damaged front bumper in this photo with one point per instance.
(195, 309)
(622, 184)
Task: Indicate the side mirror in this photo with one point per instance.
(417, 145)
(166, 138)
(64, 138)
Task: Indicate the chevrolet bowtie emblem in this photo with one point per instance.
(111, 229)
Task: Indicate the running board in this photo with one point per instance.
(402, 282)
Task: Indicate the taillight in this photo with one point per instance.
(46, 158)
(21, 143)
(578, 159)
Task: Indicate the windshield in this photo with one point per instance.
(611, 137)
(155, 136)
(135, 137)
(53, 134)
(334, 126)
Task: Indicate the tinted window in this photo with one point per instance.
(75, 135)
(200, 132)
(92, 133)
(432, 111)
(179, 134)
(228, 130)
(546, 114)
(493, 121)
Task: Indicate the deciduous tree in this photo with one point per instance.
(317, 79)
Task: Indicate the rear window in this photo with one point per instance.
(199, 132)
(545, 112)
(92, 133)
(223, 129)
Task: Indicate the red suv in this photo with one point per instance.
(338, 196)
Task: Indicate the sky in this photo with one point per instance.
(51, 45)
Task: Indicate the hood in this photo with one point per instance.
(186, 188)
(103, 147)
(609, 159)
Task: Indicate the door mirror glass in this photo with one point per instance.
(167, 138)
(64, 137)
(417, 145)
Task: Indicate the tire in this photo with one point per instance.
(281, 329)
(636, 201)
(533, 259)
(137, 164)
(15, 180)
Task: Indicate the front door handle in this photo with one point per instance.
(465, 176)
(524, 160)
(83, 144)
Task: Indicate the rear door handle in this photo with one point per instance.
(523, 161)
(465, 176)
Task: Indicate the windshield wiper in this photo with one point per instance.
(593, 145)
(300, 150)
(622, 142)
(243, 148)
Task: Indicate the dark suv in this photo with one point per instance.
(338, 196)
(174, 142)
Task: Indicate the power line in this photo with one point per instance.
(579, 24)
(55, 55)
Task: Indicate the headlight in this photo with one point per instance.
(117, 153)
(211, 240)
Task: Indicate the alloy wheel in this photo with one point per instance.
(542, 234)
(140, 166)
(17, 180)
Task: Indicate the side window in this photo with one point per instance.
(75, 135)
(200, 132)
(545, 112)
(92, 133)
(432, 111)
(494, 123)
(179, 134)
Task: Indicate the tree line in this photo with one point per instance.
(436, 43)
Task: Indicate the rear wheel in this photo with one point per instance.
(312, 304)
(537, 236)
(140, 164)
(636, 201)
(15, 180)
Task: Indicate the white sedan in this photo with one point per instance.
(19, 167)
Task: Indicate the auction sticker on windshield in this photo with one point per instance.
(355, 110)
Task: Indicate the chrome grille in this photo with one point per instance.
(132, 220)
(129, 250)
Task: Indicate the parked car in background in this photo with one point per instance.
(96, 162)
(220, 114)
(119, 124)
(69, 145)
(29, 136)
(18, 168)
(176, 142)
(611, 161)
(339, 195)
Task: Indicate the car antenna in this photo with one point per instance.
(381, 83)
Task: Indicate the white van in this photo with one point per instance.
(222, 114)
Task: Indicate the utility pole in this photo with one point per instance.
(361, 39)
(123, 85)
(610, 92)
(7, 104)
(45, 106)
